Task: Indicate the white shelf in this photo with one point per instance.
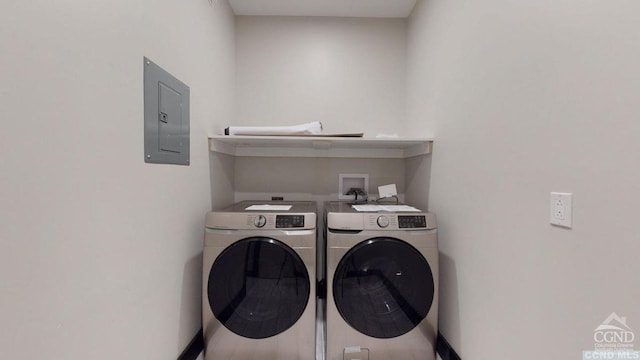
(311, 146)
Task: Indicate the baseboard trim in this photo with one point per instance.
(445, 350)
(194, 348)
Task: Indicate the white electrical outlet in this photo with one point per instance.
(560, 209)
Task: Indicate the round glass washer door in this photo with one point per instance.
(258, 287)
(383, 287)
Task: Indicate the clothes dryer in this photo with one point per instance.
(382, 284)
(259, 284)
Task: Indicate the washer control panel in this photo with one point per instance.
(412, 221)
(396, 222)
(259, 216)
(268, 221)
(289, 221)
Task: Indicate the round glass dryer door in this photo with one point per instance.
(383, 287)
(258, 287)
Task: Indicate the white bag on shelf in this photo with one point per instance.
(313, 128)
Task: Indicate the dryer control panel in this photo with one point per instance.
(412, 221)
(289, 221)
(380, 221)
(276, 221)
(386, 221)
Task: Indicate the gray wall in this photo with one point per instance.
(524, 98)
(348, 73)
(100, 251)
(310, 178)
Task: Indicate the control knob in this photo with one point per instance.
(259, 221)
(383, 221)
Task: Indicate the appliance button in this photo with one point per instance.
(259, 221)
(383, 221)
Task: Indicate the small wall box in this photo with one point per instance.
(348, 181)
(166, 117)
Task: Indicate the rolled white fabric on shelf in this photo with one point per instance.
(312, 128)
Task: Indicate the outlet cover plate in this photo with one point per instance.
(560, 209)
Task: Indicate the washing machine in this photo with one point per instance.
(259, 281)
(382, 284)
